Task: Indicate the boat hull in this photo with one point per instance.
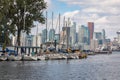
(30, 58)
(3, 58)
(14, 58)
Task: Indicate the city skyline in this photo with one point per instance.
(105, 17)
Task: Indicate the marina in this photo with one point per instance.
(97, 67)
(59, 40)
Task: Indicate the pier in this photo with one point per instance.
(27, 49)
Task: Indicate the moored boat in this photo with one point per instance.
(14, 58)
(41, 57)
(29, 58)
(3, 58)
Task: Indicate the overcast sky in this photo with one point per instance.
(104, 13)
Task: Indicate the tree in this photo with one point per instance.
(19, 15)
(5, 26)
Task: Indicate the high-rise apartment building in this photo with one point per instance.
(91, 29)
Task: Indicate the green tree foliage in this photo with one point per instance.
(19, 15)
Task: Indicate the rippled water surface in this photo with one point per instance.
(98, 67)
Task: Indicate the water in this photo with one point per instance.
(98, 67)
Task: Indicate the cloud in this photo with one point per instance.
(104, 13)
(71, 14)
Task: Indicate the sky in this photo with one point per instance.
(104, 13)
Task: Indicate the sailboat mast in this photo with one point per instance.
(52, 28)
(66, 34)
(36, 35)
(52, 20)
(46, 26)
(59, 28)
(67, 25)
(63, 29)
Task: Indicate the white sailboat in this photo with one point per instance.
(14, 58)
(30, 58)
(3, 58)
(41, 57)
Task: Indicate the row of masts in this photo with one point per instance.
(65, 24)
(52, 25)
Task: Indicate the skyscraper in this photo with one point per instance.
(91, 29)
(83, 34)
(80, 34)
(73, 34)
(44, 35)
(67, 35)
(51, 34)
(98, 36)
(103, 32)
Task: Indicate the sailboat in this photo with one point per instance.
(30, 58)
(3, 57)
(14, 58)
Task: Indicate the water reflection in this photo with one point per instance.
(98, 67)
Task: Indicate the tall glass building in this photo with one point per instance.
(51, 34)
(73, 34)
(83, 35)
(44, 35)
(98, 36)
(103, 32)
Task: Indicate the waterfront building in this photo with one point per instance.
(44, 36)
(118, 33)
(115, 44)
(76, 38)
(34, 40)
(83, 35)
(103, 33)
(29, 40)
(57, 37)
(91, 29)
(73, 34)
(86, 36)
(51, 34)
(37, 40)
(66, 34)
(93, 44)
(22, 38)
(62, 37)
(99, 37)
